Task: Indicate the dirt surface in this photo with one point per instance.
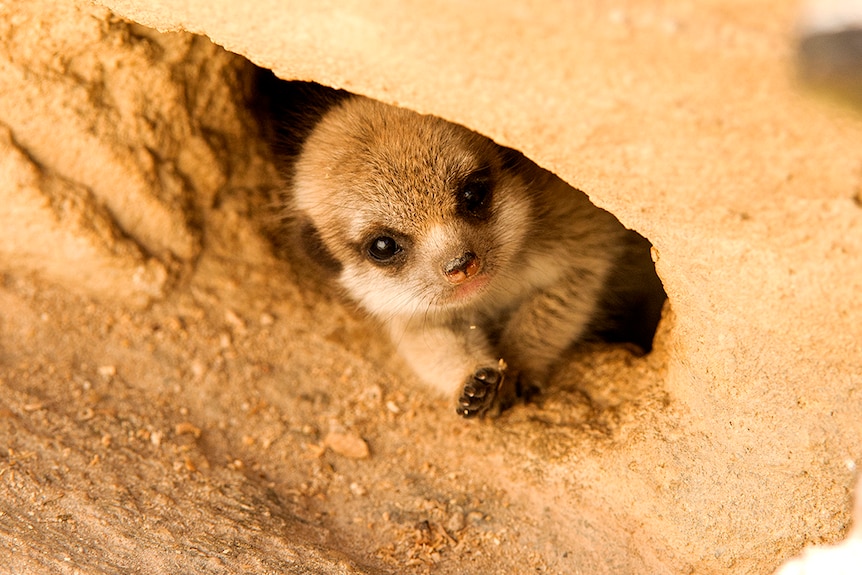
(217, 432)
(178, 393)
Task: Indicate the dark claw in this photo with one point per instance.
(471, 390)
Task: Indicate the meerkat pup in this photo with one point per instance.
(484, 267)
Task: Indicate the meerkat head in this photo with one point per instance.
(418, 214)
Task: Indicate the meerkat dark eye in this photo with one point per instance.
(383, 249)
(474, 197)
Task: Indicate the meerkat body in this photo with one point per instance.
(484, 267)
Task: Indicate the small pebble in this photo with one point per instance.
(347, 444)
(456, 522)
(108, 371)
(186, 428)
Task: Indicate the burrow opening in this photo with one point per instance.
(628, 308)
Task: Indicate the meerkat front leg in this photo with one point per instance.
(455, 359)
(545, 326)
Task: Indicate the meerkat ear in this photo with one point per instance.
(308, 238)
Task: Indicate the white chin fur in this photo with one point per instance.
(384, 297)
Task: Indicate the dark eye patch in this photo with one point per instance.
(475, 194)
(311, 242)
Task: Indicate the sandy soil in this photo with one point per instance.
(178, 393)
(216, 432)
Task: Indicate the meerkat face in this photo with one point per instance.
(421, 215)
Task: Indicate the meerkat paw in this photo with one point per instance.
(480, 392)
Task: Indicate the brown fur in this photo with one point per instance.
(480, 295)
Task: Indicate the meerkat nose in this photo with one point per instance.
(461, 268)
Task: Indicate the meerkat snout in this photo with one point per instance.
(460, 269)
